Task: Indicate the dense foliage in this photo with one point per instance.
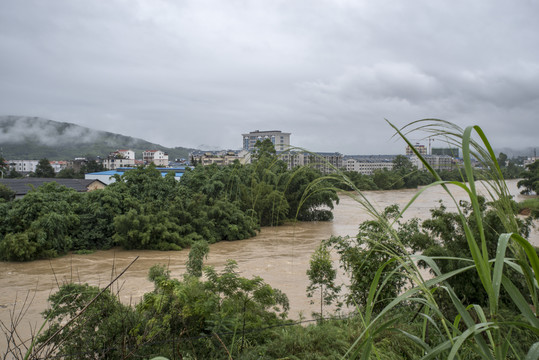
(530, 181)
(143, 210)
(442, 237)
(44, 169)
(190, 317)
(371, 250)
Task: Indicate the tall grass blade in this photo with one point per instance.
(533, 353)
(503, 242)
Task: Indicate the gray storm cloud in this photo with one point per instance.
(203, 72)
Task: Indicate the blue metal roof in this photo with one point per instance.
(108, 172)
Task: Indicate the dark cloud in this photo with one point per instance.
(203, 72)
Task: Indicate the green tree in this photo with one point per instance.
(14, 174)
(264, 149)
(68, 173)
(372, 249)
(387, 180)
(96, 211)
(105, 328)
(187, 313)
(502, 159)
(530, 179)
(91, 166)
(6, 193)
(322, 277)
(309, 195)
(199, 251)
(449, 243)
(403, 165)
(3, 167)
(44, 169)
(360, 181)
(40, 225)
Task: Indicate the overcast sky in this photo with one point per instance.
(200, 73)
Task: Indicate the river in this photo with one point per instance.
(280, 255)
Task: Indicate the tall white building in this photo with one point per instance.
(280, 140)
(222, 157)
(23, 166)
(158, 157)
(119, 159)
(422, 149)
(367, 166)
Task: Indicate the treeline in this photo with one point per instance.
(45, 170)
(143, 210)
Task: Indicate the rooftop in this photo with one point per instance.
(25, 185)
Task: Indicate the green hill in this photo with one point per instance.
(33, 138)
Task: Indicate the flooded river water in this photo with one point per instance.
(280, 255)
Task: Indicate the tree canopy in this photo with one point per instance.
(44, 169)
(144, 210)
(530, 179)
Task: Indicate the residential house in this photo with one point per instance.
(158, 157)
(22, 186)
(119, 159)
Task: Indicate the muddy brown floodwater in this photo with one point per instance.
(280, 255)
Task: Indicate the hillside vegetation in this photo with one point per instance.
(34, 138)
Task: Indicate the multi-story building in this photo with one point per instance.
(530, 160)
(325, 162)
(77, 164)
(438, 162)
(119, 158)
(158, 157)
(453, 152)
(59, 165)
(367, 165)
(422, 149)
(280, 140)
(23, 166)
(222, 157)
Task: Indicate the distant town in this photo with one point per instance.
(122, 160)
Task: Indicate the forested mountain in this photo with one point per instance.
(30, 138)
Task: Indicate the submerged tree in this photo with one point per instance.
(322, 277)
(199, 251)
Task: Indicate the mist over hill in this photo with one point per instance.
(23, 137)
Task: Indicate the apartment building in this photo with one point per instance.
(438, 162)
(280, 140)
(422, 149)
(23, 166)
(367, 165)
(119, 158)
(326, 162)
(158, 157)
(221, 157)
(453, 152)
(59, 165)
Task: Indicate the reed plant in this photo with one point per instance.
(476, 331)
